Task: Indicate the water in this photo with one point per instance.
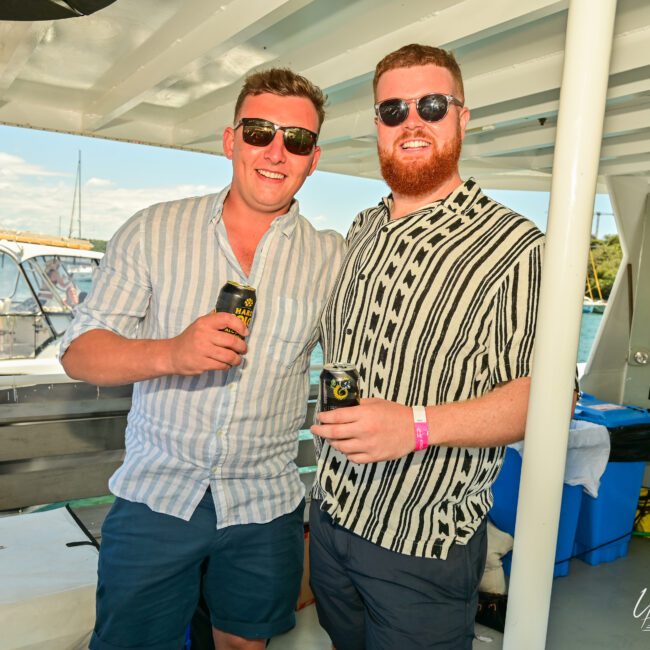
(316, 360)
(588, 329)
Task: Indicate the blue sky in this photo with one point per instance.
(37, 176)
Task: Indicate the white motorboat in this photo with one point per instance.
(42, 280)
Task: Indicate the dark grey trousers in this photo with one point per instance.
(370, 598)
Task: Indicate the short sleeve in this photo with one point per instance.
(515, 318)
(121, 290)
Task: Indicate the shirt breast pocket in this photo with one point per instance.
(293, 330)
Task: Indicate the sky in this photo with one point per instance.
(38, 170)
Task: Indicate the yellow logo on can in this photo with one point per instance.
(340, 392)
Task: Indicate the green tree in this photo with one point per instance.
(98, 245)
(607, 255)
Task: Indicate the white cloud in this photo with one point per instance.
(44, 205)
(14, 167)
(98, 182)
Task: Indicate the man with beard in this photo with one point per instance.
(435, 306)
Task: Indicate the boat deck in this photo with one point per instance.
(591, 608)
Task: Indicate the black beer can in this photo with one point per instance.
(339, 386)
(237, 299)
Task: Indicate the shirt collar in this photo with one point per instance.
(459, 200)
(286, 223)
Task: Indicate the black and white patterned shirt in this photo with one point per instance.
(435, 307)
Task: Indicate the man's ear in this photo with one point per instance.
(314, 161)
(463, 119)
(228, 140)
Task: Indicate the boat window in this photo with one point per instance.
(80, 271)
(16, 296)
(53, 287)
(22, 326)
(70, 278)
(8, 276)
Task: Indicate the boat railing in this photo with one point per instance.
(62, 441)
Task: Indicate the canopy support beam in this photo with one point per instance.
(577, 152)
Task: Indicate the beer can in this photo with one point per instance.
(339, 386)
(237, 299)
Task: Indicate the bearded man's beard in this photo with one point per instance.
(420, 177)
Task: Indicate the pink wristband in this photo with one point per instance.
(421, 428)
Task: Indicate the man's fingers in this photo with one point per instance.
(220, 320)
(361, 458)
(229, 341)
(331, 432)
(224, 356)
(218, 365)
(352, 450)
(208, 364)
(348, 447)
(339, 416)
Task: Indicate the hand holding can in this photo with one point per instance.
(239, 300)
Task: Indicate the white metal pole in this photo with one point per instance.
(577, 150)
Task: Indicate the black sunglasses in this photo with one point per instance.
(431, 108)
(260, 133)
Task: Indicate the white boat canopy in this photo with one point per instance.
(167, 72)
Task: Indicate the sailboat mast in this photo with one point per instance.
(77, 195)
(79, 177)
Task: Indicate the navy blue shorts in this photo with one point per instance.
(370, 598)
(151, 567)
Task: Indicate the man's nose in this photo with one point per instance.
(413, 119)
(275, 152)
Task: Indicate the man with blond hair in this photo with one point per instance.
(209, 495)
(435, 306)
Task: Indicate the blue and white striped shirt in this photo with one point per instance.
(236, 431)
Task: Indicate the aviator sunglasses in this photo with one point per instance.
(260, 133)
(431, 108)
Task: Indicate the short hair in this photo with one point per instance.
(285, 83)
(415, 54)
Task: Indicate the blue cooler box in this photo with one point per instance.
(605, 523)
(610, 516)
(504, 512)
(592, 409)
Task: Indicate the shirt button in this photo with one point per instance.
(362, 276)
(220, 432)
(348, 331)
(215, 471)
(232, 386)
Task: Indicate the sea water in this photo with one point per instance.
(588, 329)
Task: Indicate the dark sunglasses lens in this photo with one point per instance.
(393, 111)
(299, 141)
(257, 135)
(433, 108)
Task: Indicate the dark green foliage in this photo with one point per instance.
(98, 245)
(607, 256)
